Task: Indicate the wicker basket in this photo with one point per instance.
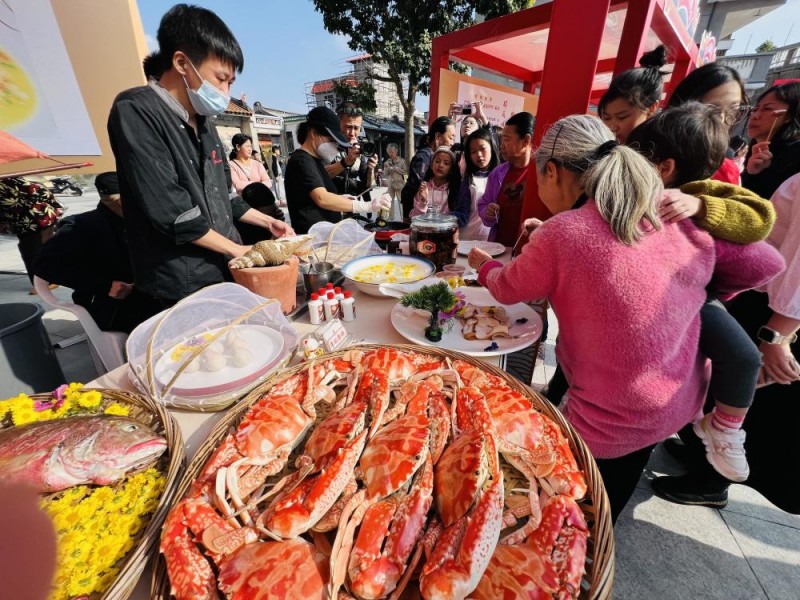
(598, 580)
(154, 416)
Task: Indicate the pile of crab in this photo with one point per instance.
(399, 486)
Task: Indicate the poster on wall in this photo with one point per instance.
(498, 106)
(40, 101)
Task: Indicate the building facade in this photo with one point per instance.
(362, 68)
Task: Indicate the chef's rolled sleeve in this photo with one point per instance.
(239, 207)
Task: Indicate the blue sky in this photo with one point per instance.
(285, 44)
(782, 26)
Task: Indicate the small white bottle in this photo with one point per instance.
(331, 307)
(348, 306)
(338, 293)
(316, 312)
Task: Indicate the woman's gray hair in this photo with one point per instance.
(393, 145)
(624, 185)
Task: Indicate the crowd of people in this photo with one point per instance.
(665, 252)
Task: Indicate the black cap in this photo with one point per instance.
(106, 183)
(324, 117)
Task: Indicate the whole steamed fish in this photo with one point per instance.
(54, 455)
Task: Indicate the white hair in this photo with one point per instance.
(624, 185)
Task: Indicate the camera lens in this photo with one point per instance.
(368, 148)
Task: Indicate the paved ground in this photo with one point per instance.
(749, 550)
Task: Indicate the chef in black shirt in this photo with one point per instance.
(310, 192)
(173, 172)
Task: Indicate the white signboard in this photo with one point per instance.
(498, 106)
(40, 101)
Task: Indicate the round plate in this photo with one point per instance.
(491, 248)
(265, 343)
(411, 325)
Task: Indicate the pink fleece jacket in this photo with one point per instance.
(628, 318)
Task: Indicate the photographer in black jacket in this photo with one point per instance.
(353, 171)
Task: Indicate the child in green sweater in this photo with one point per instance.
(687, 145)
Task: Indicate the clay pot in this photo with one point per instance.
(278, 282)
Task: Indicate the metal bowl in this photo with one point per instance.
(351, 269)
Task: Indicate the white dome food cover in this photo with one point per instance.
(341, 242)
(210, 348)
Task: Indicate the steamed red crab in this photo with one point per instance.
(401, 479)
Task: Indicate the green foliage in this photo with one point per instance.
(436, 299)
(766, 46)
(362, 95)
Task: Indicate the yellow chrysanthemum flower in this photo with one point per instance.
(90, 399)
(103, 495)
(23, 415)
(117, 409)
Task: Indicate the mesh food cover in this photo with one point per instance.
(210, 348)
(341, 242)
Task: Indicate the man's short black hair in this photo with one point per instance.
(258, 195)
(198, 33)
(694, 135)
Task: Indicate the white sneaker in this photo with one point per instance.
(724, 449)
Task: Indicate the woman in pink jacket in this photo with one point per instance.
(245, 169)
(627, 290)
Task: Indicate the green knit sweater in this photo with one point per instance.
(732, 213)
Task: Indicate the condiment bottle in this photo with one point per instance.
(331, 307)
(339, 295)
(348, 306)
(316, 311)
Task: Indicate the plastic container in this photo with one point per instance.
(434, 236)
(28, 363)
(210, 348)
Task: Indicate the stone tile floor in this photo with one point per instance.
(749, 550)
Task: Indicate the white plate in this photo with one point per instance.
(411, 325)
(491, 248)
(265, 343)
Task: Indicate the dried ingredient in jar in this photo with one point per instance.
(439, 247)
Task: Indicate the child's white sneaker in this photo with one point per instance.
(724, 449)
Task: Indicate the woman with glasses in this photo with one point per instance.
(720, 86)
(619, 279)
(774, 128)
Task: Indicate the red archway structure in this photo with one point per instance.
(566, 52)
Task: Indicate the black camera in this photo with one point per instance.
(366, 147)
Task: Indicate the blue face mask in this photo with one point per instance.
(207, 100)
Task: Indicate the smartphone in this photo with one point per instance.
(466, 110)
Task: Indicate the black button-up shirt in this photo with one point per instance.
(174, 187)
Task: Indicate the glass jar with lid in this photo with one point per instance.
(434, 236)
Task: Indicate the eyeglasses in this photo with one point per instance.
(735, 115)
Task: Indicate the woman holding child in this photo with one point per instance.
(627, 290)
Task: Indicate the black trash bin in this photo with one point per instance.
(28, 362)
